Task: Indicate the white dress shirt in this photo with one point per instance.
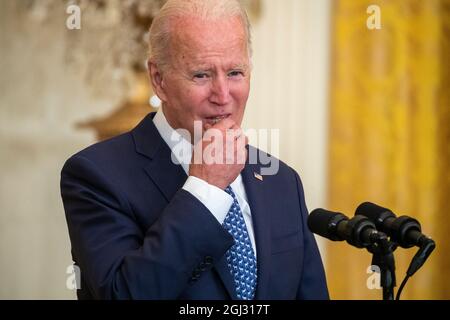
(215, 199)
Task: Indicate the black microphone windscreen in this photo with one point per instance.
(320, 220)
(372, 211)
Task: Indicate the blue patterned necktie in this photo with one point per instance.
(240, 257)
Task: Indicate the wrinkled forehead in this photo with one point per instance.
(190, 36)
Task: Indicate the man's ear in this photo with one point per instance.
(156, 78)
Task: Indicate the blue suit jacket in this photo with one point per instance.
(136, 234)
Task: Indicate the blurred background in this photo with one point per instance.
(361, 99)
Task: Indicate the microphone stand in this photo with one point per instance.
(383, 257)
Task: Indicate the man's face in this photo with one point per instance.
(208, 77)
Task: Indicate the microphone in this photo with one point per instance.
(358, 231)
(403, 230)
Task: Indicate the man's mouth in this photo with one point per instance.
(215, 119)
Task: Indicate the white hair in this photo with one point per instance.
(206, 10)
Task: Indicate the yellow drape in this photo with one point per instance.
(390, 134)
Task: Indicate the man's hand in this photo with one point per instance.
(220, 156)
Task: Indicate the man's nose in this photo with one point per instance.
(220, 91)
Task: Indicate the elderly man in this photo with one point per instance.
(146, 224)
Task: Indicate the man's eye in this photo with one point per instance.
(235, 73)
(200, 76)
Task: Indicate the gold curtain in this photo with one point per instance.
(390, 135)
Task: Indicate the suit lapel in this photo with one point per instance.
(166, 175)
(169, 178)
(257, 196)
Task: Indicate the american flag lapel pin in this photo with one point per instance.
(258, 176)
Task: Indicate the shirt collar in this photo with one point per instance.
(180, 146)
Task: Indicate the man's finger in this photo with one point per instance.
(224, 124)
(241, 151)
(242, 141)
(235, 132)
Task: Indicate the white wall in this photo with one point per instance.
(290, 85)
